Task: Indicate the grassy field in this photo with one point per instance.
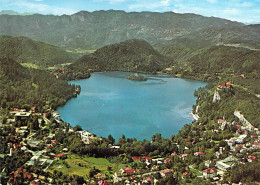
(30, 65)
(81, 51)
(75, 165)
(216, 142)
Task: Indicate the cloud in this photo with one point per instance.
(165, 2)
(146, 5)
(111, 1)
(246, 4)
(231, 11)
(39, 7)
(211, 1)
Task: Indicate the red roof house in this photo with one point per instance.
(199, 153)
(220, 121)
(228, 84)
(238, 126)
(54, 143)
(149, 179)
(168, 160)
(137, 158)
(128, 170)
(225, 85)
(251, 158)
(103, 182)
(49, 147)
(184, 155)
(185, 174)
(60, 156)
(147, 158)
(210, 173)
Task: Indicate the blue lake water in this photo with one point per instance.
(110, 104)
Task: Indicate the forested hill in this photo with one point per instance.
(218, 59)
(24, 87)
(93, 30)
(25, 50)
(131, 55)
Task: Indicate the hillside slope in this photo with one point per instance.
(225, 59)
(25, 87)
(25, 50)
(131, 55)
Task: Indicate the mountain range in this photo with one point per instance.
(92, 30)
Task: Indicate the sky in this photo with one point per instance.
(246, 11)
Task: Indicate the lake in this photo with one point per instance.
(110, 104)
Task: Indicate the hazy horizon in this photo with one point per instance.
(245, 11)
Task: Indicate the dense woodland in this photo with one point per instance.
(222, 59)
(25, 50)
(22, 87)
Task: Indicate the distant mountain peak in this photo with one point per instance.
(11, 12)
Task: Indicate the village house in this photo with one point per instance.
(185, 175)
(220, 121)
(256, 145)
(225, 85)
(86, 136)
(56, 116)
(99, 176)
(199, 153)
(231, 142)
(103, 182)
(173, 154)
(251, 158)
(168, 160)
(207, 163)
(166, 171)
(210, 173)
(34, 144)
(183, 156)
(158, 160)
(241, 138)
(127, 171)
(22, 116)
(60, 156)
(222, 166)
(114, 147)
(155, 167)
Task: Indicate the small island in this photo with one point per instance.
(136, 77)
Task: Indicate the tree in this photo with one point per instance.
(77, 128)
(111, 139)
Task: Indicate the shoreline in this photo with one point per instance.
(194, 116)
